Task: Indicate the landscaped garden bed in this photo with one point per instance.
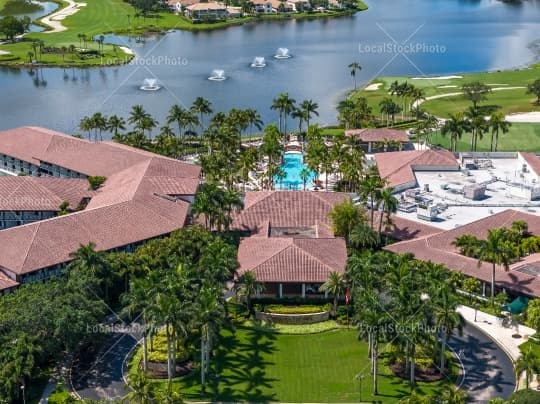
(281, 314)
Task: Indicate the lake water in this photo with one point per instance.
(394, 37)
(47, 7)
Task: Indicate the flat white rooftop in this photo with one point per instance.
(503, 181)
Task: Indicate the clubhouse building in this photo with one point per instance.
(47, 209)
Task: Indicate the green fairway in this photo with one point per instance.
(116, 16)
(520, 137)
(508, 101)
(258, 365)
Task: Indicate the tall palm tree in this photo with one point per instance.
(455, 126)
(529, 363)
(390, 108)
(477, 125)
(496, 250)
(253, 119)
(137, 115)
(176, 114)
(447, 319)
(389, 206)
(370, 189)
(115, 124)
(353, 68)
(99, 122)
(310, 108)
(335, 285)
(285, 105)
(497, 124)
(89, 262)
(304, 176)
(468, 245)
(203, 107)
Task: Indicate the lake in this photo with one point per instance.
(394, 37)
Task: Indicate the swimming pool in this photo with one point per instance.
(293, 164)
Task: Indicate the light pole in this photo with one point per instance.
(23, 395)
(360, 377)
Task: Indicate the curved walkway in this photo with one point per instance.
(53, 20)
(434, 97)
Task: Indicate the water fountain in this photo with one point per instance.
(150, 85)
(282, 53)
(258, 61)
(217, 75)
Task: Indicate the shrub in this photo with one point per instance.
(159, 354)
(95, 182)
(525, 397)
(280, 309)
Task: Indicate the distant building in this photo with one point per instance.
(380, 139)
(206, 11)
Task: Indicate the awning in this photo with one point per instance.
(518, 306)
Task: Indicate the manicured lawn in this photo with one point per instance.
(258, 365)
(509, 100)
(520, 137)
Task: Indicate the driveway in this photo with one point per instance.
(489, 372)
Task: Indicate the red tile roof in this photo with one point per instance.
(6, 282)
(438, 248)
(398, 167)
(130, 207)
(292, 259)
(41, 193)
(406, 229)
(533, 161)
(378, 135)
(286, 209)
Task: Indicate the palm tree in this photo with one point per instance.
(370, 191)
(468, 245)
(447, 319)
(455, 126)
(253, 118)
(497, 123)
(453, 395)
(85, 125)
(141, 389)
(310, 108)
(529, 363)
(89, 262)
(389, 206)
(390, 108)
(302, 116)
(477, 124)
(99, 123)
(137, 115)
(203, 107)
(304, 176)
(285, 105)
(475, 92)
(335, 285)
(497, 250)
(176, 114)
(116, 124)
(353, 68)
(248, 285)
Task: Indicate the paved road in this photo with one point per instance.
(102, 379)
(488, 370)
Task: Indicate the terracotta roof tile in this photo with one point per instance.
(438, 248)
(286, 209)
(292, 260)
(398, 167)
(131, 206)
(378, 135)
(533, 161)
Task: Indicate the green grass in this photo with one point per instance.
(509, 101)
(111, 16)
(259, 365)
(520, 137)
(14, 7)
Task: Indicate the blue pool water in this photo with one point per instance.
(293, 164)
